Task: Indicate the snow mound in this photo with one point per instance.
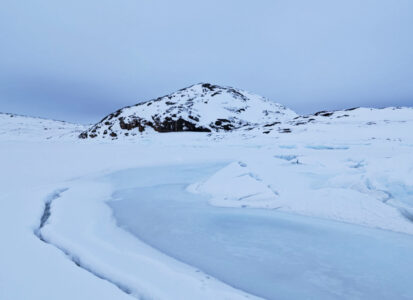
(236, 186)
(202, 107)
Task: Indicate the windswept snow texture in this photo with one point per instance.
(266, 253)
(202, 107)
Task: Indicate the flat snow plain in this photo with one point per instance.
(329, 204)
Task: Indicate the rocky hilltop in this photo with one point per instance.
(202, 107)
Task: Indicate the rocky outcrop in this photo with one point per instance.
(199, 108)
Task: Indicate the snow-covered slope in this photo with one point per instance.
(202, 107)
(17, 127)
(360, 117)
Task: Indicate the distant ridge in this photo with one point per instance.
(20, 127)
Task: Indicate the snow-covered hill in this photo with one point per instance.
(17, 127)
(202, 107)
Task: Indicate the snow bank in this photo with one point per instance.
(236, 186)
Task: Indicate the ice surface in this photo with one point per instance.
(267, 253)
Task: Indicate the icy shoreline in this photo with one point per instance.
(98, 245)
(322, 258)
(267, 253)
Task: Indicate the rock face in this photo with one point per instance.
(201, 108)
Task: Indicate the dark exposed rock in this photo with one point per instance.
(170, 125)
(285, 130)
(324, 113)
(209, 86)
(135, 123)
(167, 125)
(222, 124)
(271, 124)
(196, 119)
(83, 135)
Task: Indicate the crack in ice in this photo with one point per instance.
(76, 260)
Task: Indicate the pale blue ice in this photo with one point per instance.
(267, 253)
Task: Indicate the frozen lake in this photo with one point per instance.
(267, 253)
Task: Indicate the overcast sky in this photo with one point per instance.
(78, 60)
